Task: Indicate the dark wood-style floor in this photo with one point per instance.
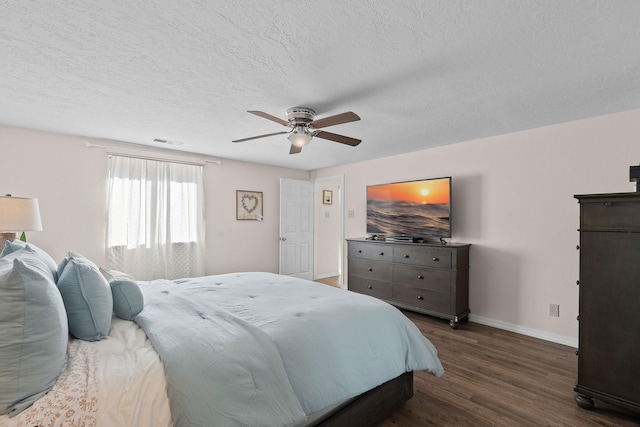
(498, 378)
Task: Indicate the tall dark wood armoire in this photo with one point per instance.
(609, 315)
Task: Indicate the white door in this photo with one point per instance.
(296, 228)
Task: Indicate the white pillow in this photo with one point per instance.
(112, 275)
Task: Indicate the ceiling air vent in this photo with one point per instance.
(166, 141)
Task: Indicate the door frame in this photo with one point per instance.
(317, 205)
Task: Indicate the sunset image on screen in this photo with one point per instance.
(433, 191)
(413, 208)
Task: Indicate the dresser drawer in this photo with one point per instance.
(358, 250)
(429, 257)
(373, 270)
(610, 214)
(422, 278)
(374, 288)
(372, 251)
(425, 299)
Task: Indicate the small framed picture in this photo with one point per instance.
(327, 197)
(249, 205)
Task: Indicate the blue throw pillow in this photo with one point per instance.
(66, 259)
(33, 331)
(87, 299)
(16, 245)
(128, 301)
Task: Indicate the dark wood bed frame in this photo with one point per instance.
(371, 407)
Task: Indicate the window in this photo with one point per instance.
(155, 218)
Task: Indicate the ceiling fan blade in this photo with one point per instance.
(335, 120)
(295, 149)
(338, 138)
(270, 117)
(259, 136)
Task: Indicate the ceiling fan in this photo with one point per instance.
(304, 127)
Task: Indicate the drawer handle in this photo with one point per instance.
(608, 204)
(436, 259)
(370, 287)
(420, 297)
(360, 251)
(381, 254)
(420, 276)
(406, 256)
(369, 269)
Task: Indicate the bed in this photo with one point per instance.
(235, 349)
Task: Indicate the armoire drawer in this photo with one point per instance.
(609, 214)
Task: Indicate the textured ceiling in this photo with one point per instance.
(419, 73)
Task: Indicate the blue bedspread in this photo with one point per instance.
(264, 349)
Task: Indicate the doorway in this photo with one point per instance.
(329, 229)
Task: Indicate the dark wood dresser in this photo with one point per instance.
(427, 278)
(609, 314)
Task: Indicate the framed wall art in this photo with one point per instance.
(249, 205)
(327, 197)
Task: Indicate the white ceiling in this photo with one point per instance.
(419, 73)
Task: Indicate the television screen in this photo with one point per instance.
(418, 209)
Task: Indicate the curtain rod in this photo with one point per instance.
(152, 156)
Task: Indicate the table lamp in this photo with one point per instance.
(18, 214)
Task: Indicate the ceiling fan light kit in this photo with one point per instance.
(300, 136)
(304, 127)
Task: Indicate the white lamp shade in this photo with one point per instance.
(299, 137)
(19, 214)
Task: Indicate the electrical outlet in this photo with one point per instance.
(554, 310)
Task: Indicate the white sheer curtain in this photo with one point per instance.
(155, 219)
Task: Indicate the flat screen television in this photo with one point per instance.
(418, 209)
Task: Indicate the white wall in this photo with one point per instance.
(70, 182)
(513, 201)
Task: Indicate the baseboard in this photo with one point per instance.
(325, 275)
(547, 336)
